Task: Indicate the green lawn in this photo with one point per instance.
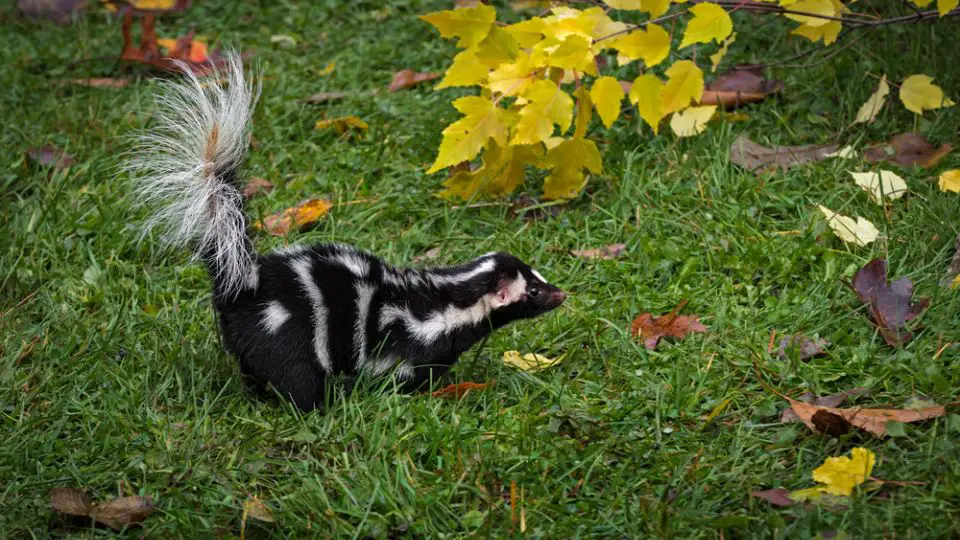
(113, 380)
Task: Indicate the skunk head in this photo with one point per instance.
(517, 291)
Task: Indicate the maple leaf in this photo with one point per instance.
(547, 105)
(463, 139)
(807, 348)
(692, 120)
(529, 361)
(567, 21)
(566, 162)
(880, 184)
(758, 158)
(501, 172)
(302, 215)
(514, 78)
(466, 70)
(573, 52)
(606, 94)
(918, 93)
(471, 24)
(342, 124)
(869, 110)
(651, 329)
(950, 181)
(408, 78)
(891, 305)
(857, 231)
(527, 33)
(842, 474)
(716, 57)
(684, 85)
(606, 252)
(645, 93)
(497, 48)
(710, 22)
(907, 150)
(652, 46)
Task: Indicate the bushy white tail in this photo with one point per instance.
(187, 166)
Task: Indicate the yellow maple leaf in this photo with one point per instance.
(342, 124)
(470, 24)
(946, 6)
(858, 231)
(527, 33)
(646, 95)
(566, 162)
(842, 474)
(548, 105)
(606, 94)
(584, 113)
(652, 45)
(827, 8)
(716, 57)
(514, 78)
(603, 26)
(692, 120)
(655, 8)
(463, 139)
(497, 48)
(623, 4)
(869, 110)
(567, 21)
(827, 32)
(466, 70)
(918, 93)
(502, 171)
(710, 22)
(950, 181)
(529, 361)
(684, 84)
(573, 52)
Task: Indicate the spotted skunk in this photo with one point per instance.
(300, 314)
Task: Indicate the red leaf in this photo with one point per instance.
(458, 390)
(651, 329)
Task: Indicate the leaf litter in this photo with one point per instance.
(739, 87)
(807, 348)
(651, 329)
(303, 215)
(408, 78)
(114, 513)
(758, 158)
(908, 150)
(50, 156)
(890, 305)
(609, 252)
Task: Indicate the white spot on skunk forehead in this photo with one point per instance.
(274, 315)
(538, 276)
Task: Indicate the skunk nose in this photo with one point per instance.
(557, 297)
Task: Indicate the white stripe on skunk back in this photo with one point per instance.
(186, 164)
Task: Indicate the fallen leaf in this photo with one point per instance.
(324, 97)
(283, 40)
(830, 424)
(755, 157)
(343, 124)
(857, 231)
(691, 121)
(918, 93)
(841, 474)
(70, 501)
(871, 420)
(149, 5)
(869, 110)
(114, 513)
(408, 78)
(808, 348)
(847, 152)
(304, 214)
(908, 150)
(529, 361)
(651, 329)
(50, 156)
(950, 181)
(891, 305)
(776, 497)
(880, 185)
(193, 50)
(255, 508)
(739, 87)
(606, 252)
(98, 82)
(327, 69)
(833, 400)
(257, 186)
(458, 390)
(58, 11)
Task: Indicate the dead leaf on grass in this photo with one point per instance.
(739, 87)
(50, 156)
(650, 329)
(325, 97)
(301, 216)
(431, 253)
(808, 348)
(254, 508)
(606, 252)
(890, 305)
(343, 124)
(408, 78)
(70, 501)
(458, 390)
(871, 420)
(257, 186)
(776, 497)
(98, 82)
(114, 513)
(758, 158)
(58, 11)
(907, 150)
(832, 400)
(529, 361)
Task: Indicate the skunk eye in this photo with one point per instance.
(534, 292)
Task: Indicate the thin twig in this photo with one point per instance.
(833, 53)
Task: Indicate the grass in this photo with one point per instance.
(113, 380)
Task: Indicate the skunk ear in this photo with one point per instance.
(508, 291)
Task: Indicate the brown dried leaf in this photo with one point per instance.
(304, 214)
(758, 158)
(258, 510)
(50, 156)
(257, 186)
(776, 497)
(123, 511)
(907, 150)
(833, 400)
(324, 97)
(830, 424)
(408, 78)
(651, 329)
(739, 87)
(872, 420)
(458, 390)
(98, 82)
(807, 347)
(606, 252)
(891, 305)
(70, 501)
